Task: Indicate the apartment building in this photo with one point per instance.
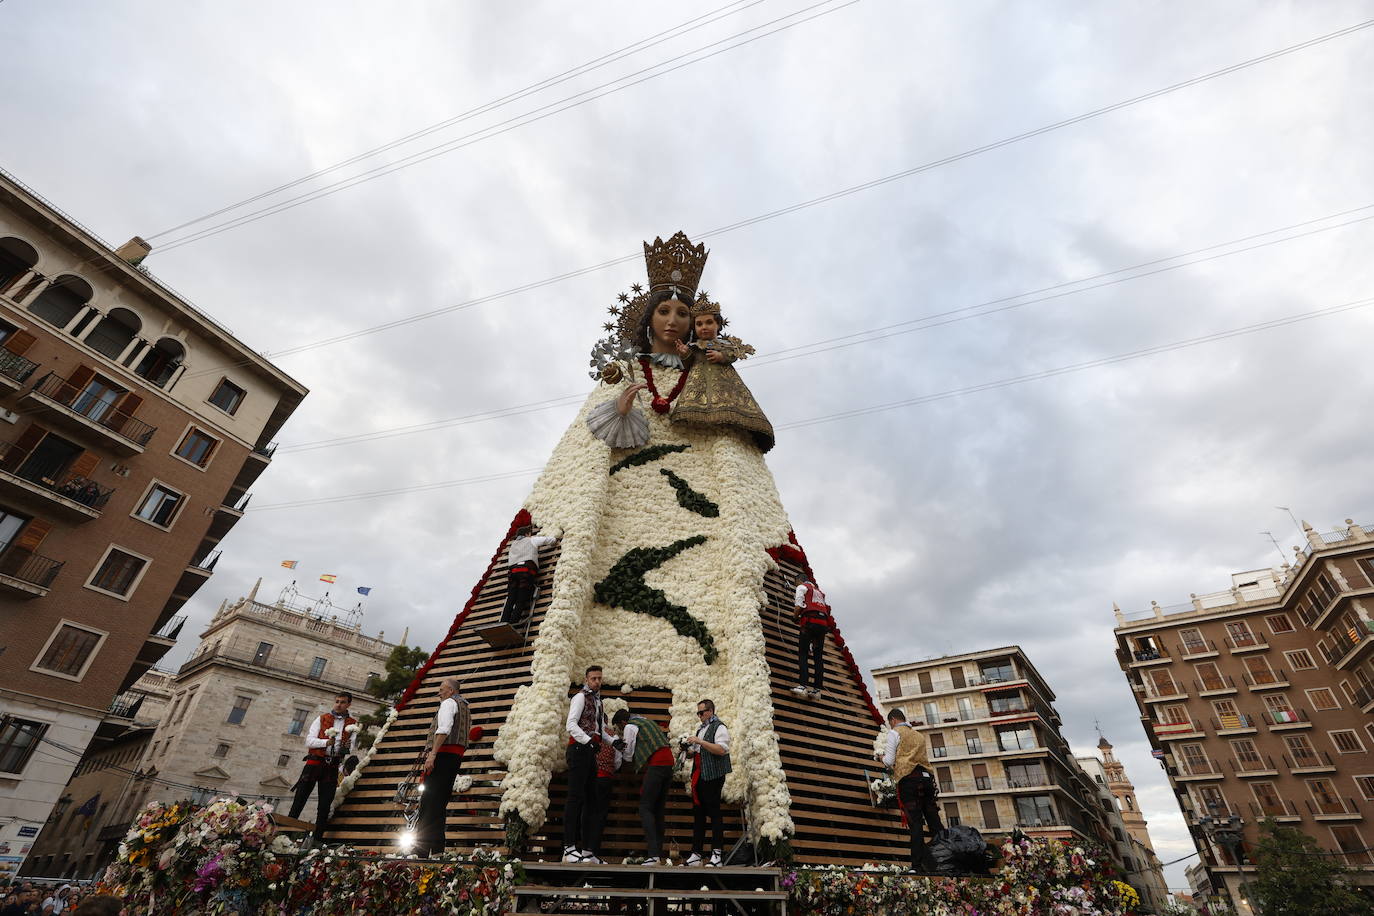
(995, 746)
(131, 428)
(1259, 698)
(231, 721)
(1144, 871)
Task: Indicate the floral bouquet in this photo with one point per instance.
(133, 867)
(883, 790)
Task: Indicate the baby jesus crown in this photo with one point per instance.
(676, 263)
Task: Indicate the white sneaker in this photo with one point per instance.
(715, 859)
(590, 858)
(649, 861)
(570, 854)
(799, 689)
(693, 860)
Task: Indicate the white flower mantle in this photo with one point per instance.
(602, 516)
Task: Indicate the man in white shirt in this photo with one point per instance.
(521, 573)
(450, 741)
(710, 750)
(586, 726)
(330, 738)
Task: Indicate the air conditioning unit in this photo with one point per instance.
(9, 416)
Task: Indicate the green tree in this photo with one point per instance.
(401, 666)
(1296, 877)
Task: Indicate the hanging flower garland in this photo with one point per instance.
(660, 404)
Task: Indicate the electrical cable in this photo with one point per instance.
(835, 195)
(501, 127)
(908, 402)
(582, 69)
(921, 323)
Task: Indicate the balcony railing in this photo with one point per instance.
(1331, 805)
(13, 366)
(1212, 684)
(1181, 728)
(1194, 649)
(1364, 696)
(1150, 654)
(1285, 716)
(86, 404)
(1277, 807)
(1155, 690)
(1275, 677)
(266, 451)
(1228, 723)
(172, 628)
(1308, 760)
(1246, 641)
(1255, 765)
(1198, 768)
(27, 566)
(302, 671)
(127, 705)
(53, 477)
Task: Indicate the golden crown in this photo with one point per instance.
(676, 263)
(704, 306)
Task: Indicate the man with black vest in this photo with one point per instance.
(452, 722)
(330, 739)
(813, 622)
(647, 745)
(710, 750)
(586, 726)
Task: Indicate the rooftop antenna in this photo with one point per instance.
(1296, 526)
(1275, 542)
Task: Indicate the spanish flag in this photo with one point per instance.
(329, 577)
(289, 564)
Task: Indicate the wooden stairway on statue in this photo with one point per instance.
(826, 747)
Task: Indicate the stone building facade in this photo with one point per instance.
(1258, 699)
(131, 428)
(1144, 871)
(995, 746)
(233, 721)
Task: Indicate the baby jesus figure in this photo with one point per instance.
(714, 394)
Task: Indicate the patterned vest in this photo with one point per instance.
(911, 752)
(326, 723)
(713, 767)
(650, 740)
(592, 720)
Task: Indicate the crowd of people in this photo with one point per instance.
(26, 898)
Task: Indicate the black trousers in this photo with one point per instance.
(653, 798)
(325, 777)
(811, 642)
(579, 811)
(707, 805)
(916, 791)
(519, 594)
(431, 824)
(599, 809)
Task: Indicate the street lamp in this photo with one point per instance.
(1225, 830)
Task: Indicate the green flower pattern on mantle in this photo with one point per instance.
(624, 587)
(690, 499)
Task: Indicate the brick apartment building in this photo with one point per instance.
(231, 721)
(1259, 698)
(996, 749)
(131, 428)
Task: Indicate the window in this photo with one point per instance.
(239, 710)
(160, 505)
(1195, 760)
(1323, 590)
(227, 396)
(937, 746)
(298, 719)
(1244, 751)
(1209, 676)
(1300, 659)
(118, 572)
(1257, 667)
(1001, 704)
(264, 652)
(1174, 712)
(923, 678)
(951, 814)
(1192, 641)
(18, 739)
(1025, 775)
(1324, 797)
(283, 760)
(1347, 741)
(1238, 632)
(221, 750)
(317, 668)
(1301, 749)
(894, 686)
(197, 447)
(1016, 738)
(931, 712)
(1001, 671)
(990, 819)
(973, 741)
(1163, 682)
(190, 695)
(1267, 797)
(1366, 785)
(1349, 841)
(945, 777)
(69, 651)
(1034, 811)
(1210, 800)
(956, 676)
(980, 777)
(1279, 623)
(1323, 698)
(1278, 703)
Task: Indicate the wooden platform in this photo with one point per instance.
(557, 888)
(826, 745)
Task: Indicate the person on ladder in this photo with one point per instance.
(813, 622)
(521, 574)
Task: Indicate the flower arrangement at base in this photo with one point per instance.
(884, 791)
(325, 884)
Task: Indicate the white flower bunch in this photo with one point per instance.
(880, 742)
(352, 728)
(462, 784)
(332, 731)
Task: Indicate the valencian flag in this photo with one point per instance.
(289, 564)
(364, 589)
(329, 577)
(88, 810)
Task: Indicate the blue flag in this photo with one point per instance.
(364, 589)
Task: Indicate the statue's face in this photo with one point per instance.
(668, 325)
(706, 327)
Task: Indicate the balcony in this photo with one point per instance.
(1286, 719)
(1247, 643)
(14, 370)
(1175, 731)
(155, 645)
(1257, 766)
(1266, 680)
(25, 574)
(1333, 808)
(1239, 724)
(49, 488)
(1215, 686)
(1198, 769)
(82, 411)
(1308, 763)
(1346, 643)
(1160, 693)
(225, 518)
(1364, 696)
(1191, 651)
(1148, 656)
(126, 706)
(1279, 809)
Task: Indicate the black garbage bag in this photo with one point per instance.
(961, 850)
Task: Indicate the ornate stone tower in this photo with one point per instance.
(1122, 787)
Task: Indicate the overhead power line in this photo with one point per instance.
(922, 323)
(677, 31)
(826, 198)
(894, 405)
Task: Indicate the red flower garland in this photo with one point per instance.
(661, 404)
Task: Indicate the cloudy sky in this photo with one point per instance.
(954, 488)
